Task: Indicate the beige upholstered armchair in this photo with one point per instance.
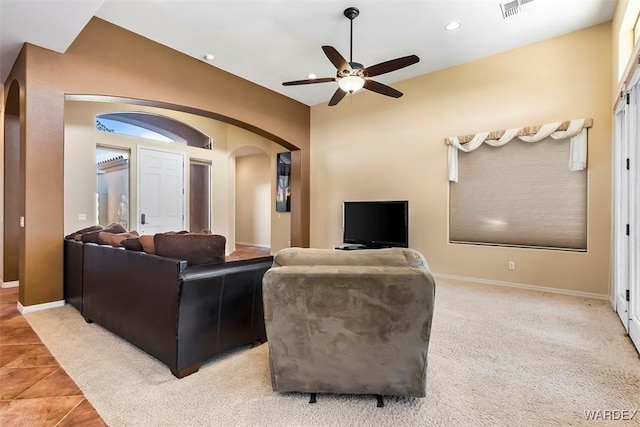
(355, 322)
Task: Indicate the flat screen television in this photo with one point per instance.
(376, 224)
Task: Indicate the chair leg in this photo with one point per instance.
(380, 401)
(312, 398)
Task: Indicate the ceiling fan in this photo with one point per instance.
(353, 76)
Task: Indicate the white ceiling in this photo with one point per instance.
(272, 41)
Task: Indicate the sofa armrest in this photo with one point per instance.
(220, 308)
(135, 295)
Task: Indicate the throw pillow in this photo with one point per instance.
(132, 244)
(83, 230)
(115, 228)
(116, 239)
(195, 248)
(146, 240)
(93, 237)
(104, 238)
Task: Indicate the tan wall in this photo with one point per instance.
(107, 60)
(2, 112)
(375, 147)
(253, 200)
(11, 176)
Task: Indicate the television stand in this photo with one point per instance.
(359, 247)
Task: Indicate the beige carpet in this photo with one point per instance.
(498, 356)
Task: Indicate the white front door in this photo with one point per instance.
(160, 191)
(626, 255)
(621, 211)
(633, 171)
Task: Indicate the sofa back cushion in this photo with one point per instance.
(195, 248)
(147, 242)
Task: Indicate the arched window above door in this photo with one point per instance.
(153, 126)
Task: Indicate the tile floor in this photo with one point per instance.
(34, 389)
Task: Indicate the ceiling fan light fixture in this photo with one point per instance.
(351, 84)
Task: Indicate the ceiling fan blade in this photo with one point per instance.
(381, 89)
(309, 81)
(336, 59)
(337, 97)
(392, 65)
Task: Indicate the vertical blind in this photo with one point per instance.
(519, 194)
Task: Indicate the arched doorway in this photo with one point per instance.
(253, 193)
(13, 188)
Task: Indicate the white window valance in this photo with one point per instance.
(575, 130)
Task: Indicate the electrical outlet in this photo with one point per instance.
(21, 222)
(82, 217)
(512, 265)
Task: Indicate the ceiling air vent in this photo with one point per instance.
(512, 8)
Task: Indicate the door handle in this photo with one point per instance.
(142, 219)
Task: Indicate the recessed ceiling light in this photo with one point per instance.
(453, 25)
(312, 76)
(209, 57)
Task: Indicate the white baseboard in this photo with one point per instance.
(523, 286)
(12, 284)
(37, 307)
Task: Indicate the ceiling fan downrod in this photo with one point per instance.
(351, 13)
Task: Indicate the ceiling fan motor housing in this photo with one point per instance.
(356, 70)
(351, 13)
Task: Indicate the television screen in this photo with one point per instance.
(377, 224)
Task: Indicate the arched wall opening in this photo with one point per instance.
(256, 222)
(256, 194)
(13, 190)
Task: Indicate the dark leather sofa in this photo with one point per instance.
(73, 267)
(182, 315)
